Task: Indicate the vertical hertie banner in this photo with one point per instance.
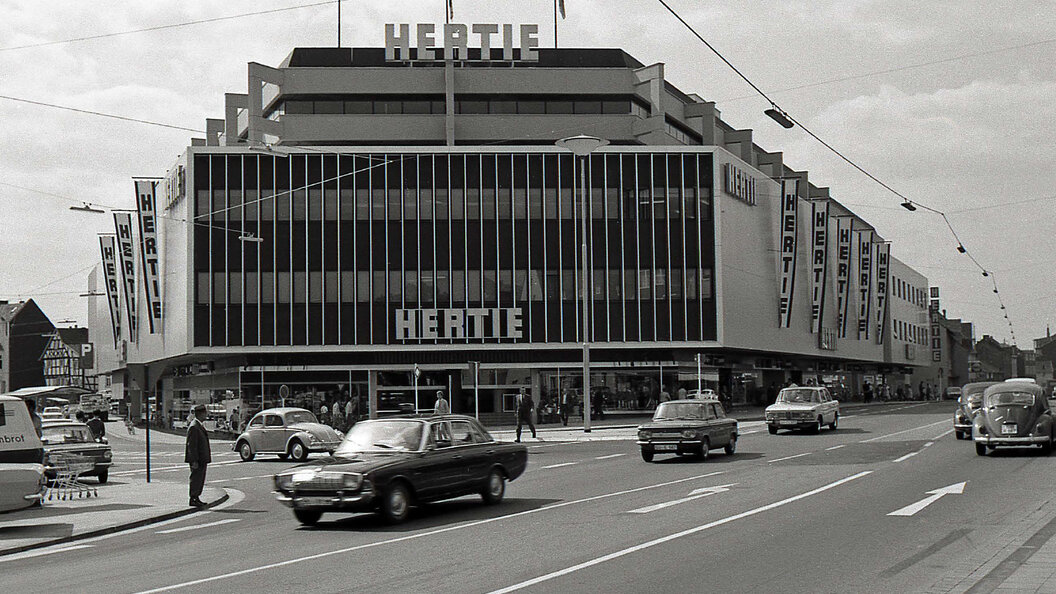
(844, 233)
(127, 265)
(865, 282)
(148, 251)
(789, 210)
(883, 267)
(819, 261)
(108, 250)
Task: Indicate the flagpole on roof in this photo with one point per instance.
(555, 24)
(449, 11)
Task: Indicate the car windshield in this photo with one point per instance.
(300, 416)
(380, 436)
(679, 410)
(66, 434)
(798, 396)
(1010, 398)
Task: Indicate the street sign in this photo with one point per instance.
(933, 496)
(284, 391)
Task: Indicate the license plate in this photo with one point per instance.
(313, 501)
(788, 422)
(666, 447)
(1010, 429)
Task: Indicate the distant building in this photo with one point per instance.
(997, 360)
(24, 331)
(69, 359)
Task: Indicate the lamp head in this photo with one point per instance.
(582, 145)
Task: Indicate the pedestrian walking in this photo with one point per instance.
(525, 404)
(441, 406)
(33, 416)
(97, 427)
(566, 405)
(197, 454)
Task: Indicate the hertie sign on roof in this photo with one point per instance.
(455, 42)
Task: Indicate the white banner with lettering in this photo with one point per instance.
(865, 282)
(108, 250)
(148, 251)
(844, 233)
(883, 267)
(789, 210)
(819, 261)
(127, 265)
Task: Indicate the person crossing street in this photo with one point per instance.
(525, 406)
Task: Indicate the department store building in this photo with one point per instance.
(378, 223)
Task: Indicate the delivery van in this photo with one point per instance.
(22, 481)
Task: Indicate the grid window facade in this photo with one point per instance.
(350, 242)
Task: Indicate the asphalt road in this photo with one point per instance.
(792, 513)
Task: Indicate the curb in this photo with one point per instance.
(114, 529)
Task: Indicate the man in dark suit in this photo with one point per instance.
(197, 454)
(525, 407)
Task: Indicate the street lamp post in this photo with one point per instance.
(582, 146)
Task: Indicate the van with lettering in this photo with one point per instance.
(22, 480)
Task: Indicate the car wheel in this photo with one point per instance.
(817, 426)
(397, 503)
(980, 449)
(732, 446)
(495, 487)
(297, 451)
(1046, 448)
(705, 447)
(835, 421)
(308, 517)
(284, 456)
(245, 452)
(772, 429)
(647, 456)
(958, 434)
(103, 476)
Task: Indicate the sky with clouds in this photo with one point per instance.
(949, 102)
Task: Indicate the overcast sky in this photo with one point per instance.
(965, 124)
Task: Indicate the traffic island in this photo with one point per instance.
(120, 505)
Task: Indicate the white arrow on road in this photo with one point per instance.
(933, 496)
(694, 494)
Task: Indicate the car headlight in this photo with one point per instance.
(108, 454)
(690, 434)
(353, 480)
(312, 438)
(645, 435)
(283, 481)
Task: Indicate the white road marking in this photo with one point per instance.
(904, 431)
(943, 434)
(424, 534)
(241, 478)
(558, 465)
(670, 537)
(933, 496)
(695, 494)
(906, 457)
(790, 457)
(609, 456)
(197, 526)
(929, 444)
(170, 468)
(31, 554)
(836, 447)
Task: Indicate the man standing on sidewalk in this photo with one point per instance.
(441, 407)
(525, 404)
(197, 454)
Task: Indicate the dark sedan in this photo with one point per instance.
(1014, 414)
(71, 445)
(687, 427)
(970, 400)
(388, 465)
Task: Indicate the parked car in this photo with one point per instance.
(687, 427)
(952, 393)
(287, 432)
(22, 481)
(1014, 414)
(705, 394)
(51, 413)
(71, 442)
(803, 407)
(388, 465)
(971, 400)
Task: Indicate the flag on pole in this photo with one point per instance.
(561, 7)
(450, 10)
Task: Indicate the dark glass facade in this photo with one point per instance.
(352, 243)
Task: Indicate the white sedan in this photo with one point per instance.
(807, 407)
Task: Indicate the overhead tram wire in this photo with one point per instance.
(163, 27)
(907, 203)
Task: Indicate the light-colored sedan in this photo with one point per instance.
(286, 432)
(806, 407)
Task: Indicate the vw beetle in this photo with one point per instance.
(287, 432)
(1014, 414)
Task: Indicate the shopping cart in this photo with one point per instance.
(65, 484)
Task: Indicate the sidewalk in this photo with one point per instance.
(120, 505)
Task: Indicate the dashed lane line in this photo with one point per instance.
(836, 447)
(791, 457)
(906, 457)
(609, 456)
(558, 465)
(197, 526)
